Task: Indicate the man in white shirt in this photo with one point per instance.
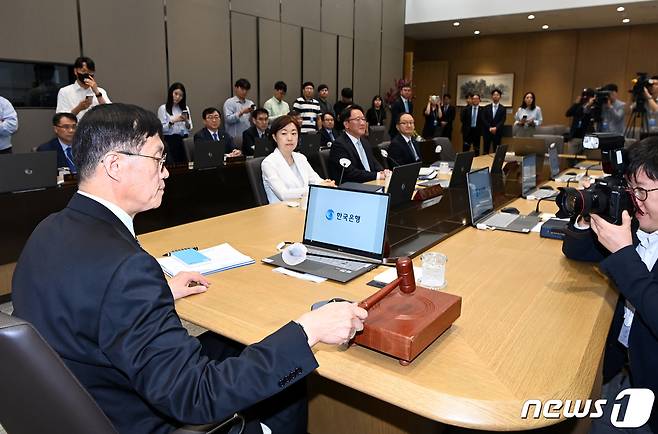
(238, 108)
(84, 93)
(8, 125)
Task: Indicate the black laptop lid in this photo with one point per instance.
(30, 171)
(209, 154)
(262, 147)
(528, 174)
(309, 144)
(403, 183)
(553, 160)
(499, 160)
(463, 163)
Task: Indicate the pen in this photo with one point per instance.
(178, 250)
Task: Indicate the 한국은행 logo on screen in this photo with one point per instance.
(329, 214)
(638, 407)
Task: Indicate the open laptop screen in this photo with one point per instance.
(528, 174)
(553, 160)
(347, 221)
(480, 199)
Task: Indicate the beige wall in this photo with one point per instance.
(209, 44)
(556, 66)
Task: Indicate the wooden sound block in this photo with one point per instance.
(402, 324)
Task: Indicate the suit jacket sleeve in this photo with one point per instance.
(272, 176)
(486, 115)
(199, 137)
(397, 152)
(142, 336)
(501, 114)
(247, 142)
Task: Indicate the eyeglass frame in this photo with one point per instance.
(68, 127)
(646, 192)
(360, 119)
(161, 160)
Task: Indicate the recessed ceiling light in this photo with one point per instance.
(626, 20)
(456, 23)
(621, 9)
(477, 32)
(545, 27)
(531, 17)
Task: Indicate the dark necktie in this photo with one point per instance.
(413, 149)
(331, 134)
(214, 137)
(69, 156)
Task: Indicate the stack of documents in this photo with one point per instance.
(218, 258)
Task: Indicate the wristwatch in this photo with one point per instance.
(99, 94)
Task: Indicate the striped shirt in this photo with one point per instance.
(310, 110)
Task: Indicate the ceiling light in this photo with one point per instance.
(545, 27)
(626, 20)
(456, 23)
(621, 9)
(477, 32)
(531, 17)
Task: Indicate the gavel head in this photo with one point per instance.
(405, 269)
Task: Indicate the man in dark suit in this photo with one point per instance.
(447, 116)
(353, 146)
(401, 105)
(464, 124)
(258, 129)
(473, 124)
(327, 133)
(108, 311)
(64, 125)
(627, 254)
(213, 132)
(404, 149)
(493, 120)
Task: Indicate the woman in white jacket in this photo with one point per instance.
(287, 174)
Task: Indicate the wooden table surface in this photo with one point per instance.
(533, 324)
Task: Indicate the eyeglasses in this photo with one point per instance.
(641, 194)
(407, 123)
(358, 119)
(160, 160)
(67, 127)
(213, 117)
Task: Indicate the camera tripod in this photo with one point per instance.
(640, 115)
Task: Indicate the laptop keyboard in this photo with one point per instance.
(339, 263)
(501, 219)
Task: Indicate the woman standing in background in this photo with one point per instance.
(176, 123)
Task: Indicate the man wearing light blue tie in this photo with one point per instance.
(64, 126)
(402, 104)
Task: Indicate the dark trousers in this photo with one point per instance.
(175, 149)
(284, 413)
(6, 151)
(447, 131)
(489, 139)
(472, 138)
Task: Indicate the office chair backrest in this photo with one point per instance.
(188, 144)
(377, 134)
(447, 150)
(38, 393)
(324, 162)
(255, 175)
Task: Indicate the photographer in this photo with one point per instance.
(580, 114)
(651, 96)
(612, 111)
(627, 253)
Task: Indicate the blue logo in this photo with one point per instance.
(330, 214)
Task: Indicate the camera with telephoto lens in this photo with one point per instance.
(641, 82)
(601, 99)
(607, 197)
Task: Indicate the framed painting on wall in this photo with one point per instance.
(483, 84)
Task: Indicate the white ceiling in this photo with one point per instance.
(639, 12)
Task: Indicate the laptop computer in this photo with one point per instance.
(553, 160)
(344, 233)
(30, 171)
(209, 154)
(529, 180)
(499, 159)
(402, 184)
(480, 201)
(263, 147)
(309, 144)
(463, 163)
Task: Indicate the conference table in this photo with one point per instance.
(532, 326)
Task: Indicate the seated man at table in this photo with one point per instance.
(327, 133)
(627, 253)
(352, 146)
(64, 125)
(212, 131)
(108, 311)
(404, 148)
(258, 129)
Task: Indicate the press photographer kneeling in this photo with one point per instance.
(621, 234)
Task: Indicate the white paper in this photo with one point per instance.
(304, 276)
(391, 274)
(222, 257)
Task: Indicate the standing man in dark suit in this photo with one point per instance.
(493, 120)
(402, 104)
(448, 117)
(328, 134)
(473, 121)
(463, 115)
(213, 132)
(258, 129)
(353, 146)
(107, 310)
(404, 149)
(627, 253)
(64, 125)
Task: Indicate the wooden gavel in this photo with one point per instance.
(406, 281)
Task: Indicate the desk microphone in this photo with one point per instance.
(384, 153)
(589, 167)
(345, 162)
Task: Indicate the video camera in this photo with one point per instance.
(641, 82)
(607, 197)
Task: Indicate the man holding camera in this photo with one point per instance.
(613, 111)
(84, 93)
(651, 97)
(627, 253)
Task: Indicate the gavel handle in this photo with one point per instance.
(379, 295)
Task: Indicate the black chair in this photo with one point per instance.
(378, 154)
(324, 162)
(377, 134)
(188, 144)
(39, 394)
(255, 175)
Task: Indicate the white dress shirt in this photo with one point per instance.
(116, 210)
(285, 182)
(531, 115)
(70, 96)
(178, 128)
